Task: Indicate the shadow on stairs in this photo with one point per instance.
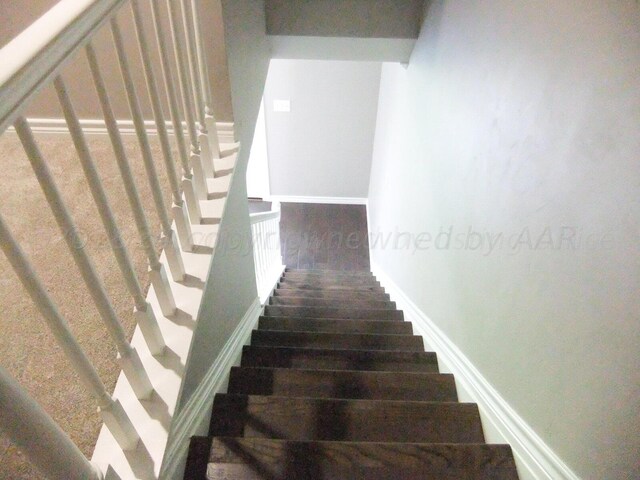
(335, 386)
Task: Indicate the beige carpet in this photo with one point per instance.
(27, 348)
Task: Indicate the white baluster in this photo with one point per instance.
(178, 209)
(188, 187)
(169, 242)
(112, 412)
(153, 335)
(265, 232)
(201, 188)
(36, 434)
(256, 252)
(272, 243)
(205, 82)
(194, 69)
(192, 61)
(193, 205)
(157, 274)
(277, 242)
(254, 248)
(128, 356)
(186, 88)
(262, 252)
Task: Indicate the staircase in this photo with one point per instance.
(335, 386)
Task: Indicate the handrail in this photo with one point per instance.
(31, 59)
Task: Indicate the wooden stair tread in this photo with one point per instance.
(334, 325)
(322, 280)
(331, 359)
(323, 302)
(332, 312)
(336, 340)
(284, 459)
(430, 387)
(315, 286)
(292, 418)
(327, 272)
(332, 294)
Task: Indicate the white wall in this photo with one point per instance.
(258, 167)
(323, 147)
(231, 288)
(521, 121)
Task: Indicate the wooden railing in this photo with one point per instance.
(28, 64)
(265, 233)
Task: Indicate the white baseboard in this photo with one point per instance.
(502, 424)
(270, 285)
(198, 408)
(98, 127)
(327, 200)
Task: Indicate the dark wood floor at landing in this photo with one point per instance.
(319, 236)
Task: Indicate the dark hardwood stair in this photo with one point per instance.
(328, 273)
(330, 287)
(335, 386)
(331, 302)
(334, 325)
(322, 280)
(331, 294)
(341, 341)
(258, 459)
(332, 359)
(332, 312)
(428, 387)
(301, 418)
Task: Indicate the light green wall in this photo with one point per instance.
(522, 119)
(231, 287)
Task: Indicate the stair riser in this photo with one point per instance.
(330, 283)
(327, 312)
(425, 362)
(347, 385)
(286, 460)
(336, 341)
(332, 295)
(330, 288)
(319, 302)
(346, 420)
(335, 326)
(324, 280)
(327, 272)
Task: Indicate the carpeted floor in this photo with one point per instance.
(27, 349)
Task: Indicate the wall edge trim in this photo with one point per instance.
(198, 407)
(533, 456)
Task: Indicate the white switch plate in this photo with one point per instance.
(282, 106)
